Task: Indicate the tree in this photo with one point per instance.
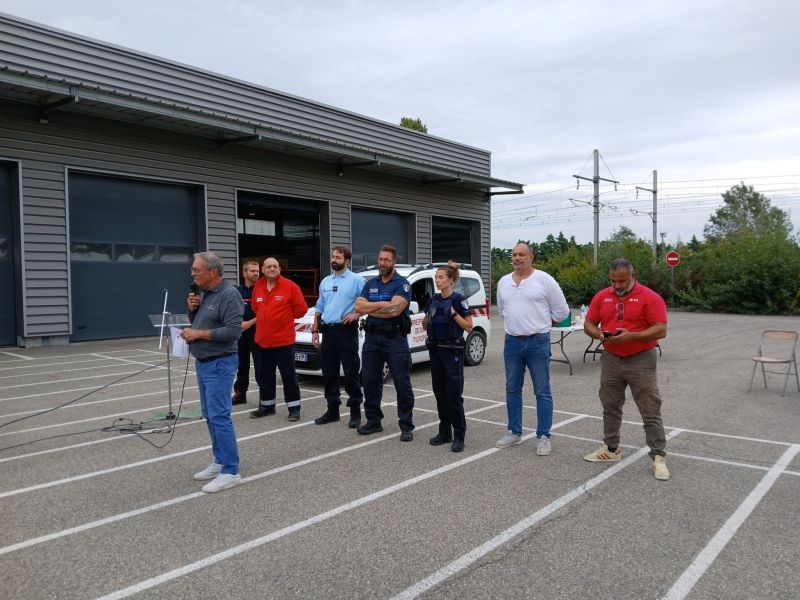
(746, 210)
(414, 124)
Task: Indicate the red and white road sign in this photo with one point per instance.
(673, 259)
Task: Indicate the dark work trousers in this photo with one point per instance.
(281, 358)
(340, 347)
(447, 379)
(391, 349)
(247, 346)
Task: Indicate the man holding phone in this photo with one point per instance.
(630, 319)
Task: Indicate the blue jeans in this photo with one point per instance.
(532, 352)
(214, 378)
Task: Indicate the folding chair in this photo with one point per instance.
(777, 348)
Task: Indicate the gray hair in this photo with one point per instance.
(620, 263)
(212, 261)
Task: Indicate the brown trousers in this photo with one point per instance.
(639, 373)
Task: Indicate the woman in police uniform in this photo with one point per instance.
(447, 316)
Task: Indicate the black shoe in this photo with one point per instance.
(355, 418)
(458, 445)
(370, 428)
(238, 399)
(262, 411)
(293, 416)
(330, 416)
(406, 436)
(440, 439)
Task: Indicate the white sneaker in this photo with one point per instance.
(209, 472)
(543, 447)
(509, 439)
(221, 482)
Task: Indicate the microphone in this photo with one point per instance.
(194, 288)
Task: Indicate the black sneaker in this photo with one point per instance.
(458, 445)
(293, 416)
(355, 418)
(330, 416)
(440, 439)
(406, 436)
(239, 399)
(262, 411)
(370, 428)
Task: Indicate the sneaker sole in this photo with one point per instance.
(204, 477)
(223, 488)
(614, 460)
(516, 443)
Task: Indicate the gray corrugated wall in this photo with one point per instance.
(39, 50)
(81, 142)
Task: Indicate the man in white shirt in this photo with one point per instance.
(530, 302)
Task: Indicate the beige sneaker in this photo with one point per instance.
(660, 469)
(603, 455)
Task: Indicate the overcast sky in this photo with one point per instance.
(706, 93)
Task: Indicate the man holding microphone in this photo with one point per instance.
(216, 319)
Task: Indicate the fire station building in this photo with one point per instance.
(116, 166)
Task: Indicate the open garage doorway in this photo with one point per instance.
(288, 229)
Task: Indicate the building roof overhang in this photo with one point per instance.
(52, 95)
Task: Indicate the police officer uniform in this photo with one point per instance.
(446, 348)
(386, 342)
(337, 297)
(246, 347)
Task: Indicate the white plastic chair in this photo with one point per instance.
(777, 348)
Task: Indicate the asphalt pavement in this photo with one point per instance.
(91, 509)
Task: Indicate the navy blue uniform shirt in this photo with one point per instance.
(376, 291)
(247, 297)
(441, 325)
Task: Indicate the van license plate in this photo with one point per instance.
(301, 357)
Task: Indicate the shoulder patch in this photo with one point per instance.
(465, 304)
(406, 287)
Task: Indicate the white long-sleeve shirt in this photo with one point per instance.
(532, 306)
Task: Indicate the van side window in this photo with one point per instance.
(467, 286)
(422, 291)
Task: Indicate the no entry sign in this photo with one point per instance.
(673, 259)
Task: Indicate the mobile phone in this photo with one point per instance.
(609, 334)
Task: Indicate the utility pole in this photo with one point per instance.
(654, 214)
(596, 203)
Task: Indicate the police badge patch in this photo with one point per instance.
(406, 287)
(465, 304)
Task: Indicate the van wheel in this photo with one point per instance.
(475, 348)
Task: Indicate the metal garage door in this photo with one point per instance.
(129, 241)
(453, 239)
(8, 332)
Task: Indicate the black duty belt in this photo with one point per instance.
(335, 326)
(380, 329)
(218, 356)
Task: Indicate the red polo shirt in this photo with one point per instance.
(636, 311)
(276, 311)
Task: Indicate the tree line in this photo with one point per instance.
(747, 263)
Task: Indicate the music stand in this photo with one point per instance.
(164, 321)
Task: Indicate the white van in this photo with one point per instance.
(421, 278)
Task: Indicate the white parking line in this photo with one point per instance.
(681, 588)
(140, 511)
(477, 553)
(17, 355)
(247, 546)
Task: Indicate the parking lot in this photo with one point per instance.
(326, 513)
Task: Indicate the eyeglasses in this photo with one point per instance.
(620, 313)
(200, 270)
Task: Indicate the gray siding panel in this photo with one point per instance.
(83, 143)
(38, 50)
